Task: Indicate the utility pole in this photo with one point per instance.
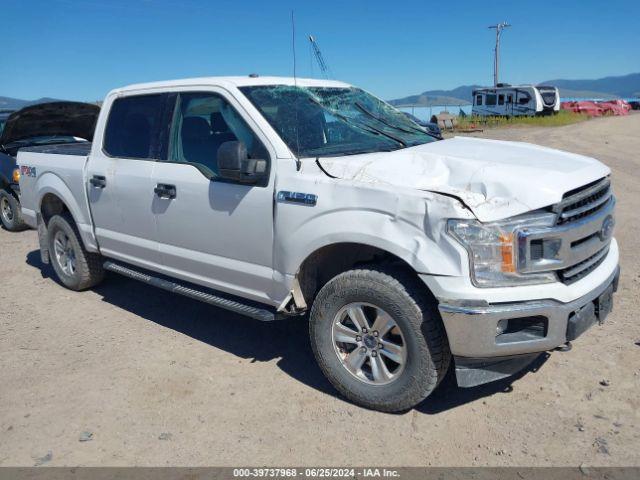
(496, 61)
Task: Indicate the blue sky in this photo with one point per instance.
(81, 49)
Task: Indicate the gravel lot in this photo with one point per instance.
(130, 375)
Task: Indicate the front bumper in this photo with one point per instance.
(539, 325)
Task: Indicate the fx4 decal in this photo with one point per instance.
(27, 171)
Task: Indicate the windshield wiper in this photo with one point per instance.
(367, 127)
(381, 120)
(373, 129)
(361, 107)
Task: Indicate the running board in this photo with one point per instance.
(262, 314)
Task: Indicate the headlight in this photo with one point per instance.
(492, 249)
(16, 175)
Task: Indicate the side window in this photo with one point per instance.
(509, 98)
(478, 99)
(132, 127)
(500, 99)
(491, 99)
(201, 123)
(524, 99)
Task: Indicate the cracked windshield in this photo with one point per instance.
(329, 121)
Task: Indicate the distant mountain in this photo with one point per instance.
(624, 86)
(457, 96)
(8, 103)
(606, 88)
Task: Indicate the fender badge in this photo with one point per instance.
(300, 198)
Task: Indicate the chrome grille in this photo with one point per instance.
(579, 241)
(583, 201)
(582, 269)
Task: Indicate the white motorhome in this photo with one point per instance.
(516, 100)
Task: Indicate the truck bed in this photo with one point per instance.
(57, 170)
(80, 149)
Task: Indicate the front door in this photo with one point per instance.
(121, 188)
(210, 231)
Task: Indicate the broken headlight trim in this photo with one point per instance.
(493, 249)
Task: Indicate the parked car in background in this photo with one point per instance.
(635, 104)
(42, 124)
(430, 127)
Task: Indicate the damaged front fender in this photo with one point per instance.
(408, 224)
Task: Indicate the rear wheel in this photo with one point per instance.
(76, 268)
(378, 339)
(10, 213)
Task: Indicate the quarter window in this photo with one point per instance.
(478, 99)
(132, 127)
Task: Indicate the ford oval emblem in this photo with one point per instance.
(607, 228)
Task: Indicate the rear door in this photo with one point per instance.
(211, 231)
(121, 187)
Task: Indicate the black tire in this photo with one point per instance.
(415, 313)
(10, 212)
(88, 270)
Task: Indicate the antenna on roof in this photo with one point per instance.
(295, 82)
(496, 59)
(293, 45)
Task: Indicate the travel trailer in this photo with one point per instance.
(516, 100)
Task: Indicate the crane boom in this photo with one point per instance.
(324, 68)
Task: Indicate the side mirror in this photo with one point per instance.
(235, 164)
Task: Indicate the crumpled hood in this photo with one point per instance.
(495, 179)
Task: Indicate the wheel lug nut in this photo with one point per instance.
(380, 345)
(375, 333)
(364, 330)
(358, 338)
(374, 353)
(363, 349)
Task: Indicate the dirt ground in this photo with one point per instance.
(130, 375)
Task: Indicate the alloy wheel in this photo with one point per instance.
(64, 253)
(369, 343)
(6, 210)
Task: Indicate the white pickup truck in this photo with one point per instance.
(278, 197)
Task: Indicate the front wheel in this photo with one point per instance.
(378, 339)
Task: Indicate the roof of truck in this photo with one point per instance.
(244, 81)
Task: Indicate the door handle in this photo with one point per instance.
(98, 181)
(164, 190)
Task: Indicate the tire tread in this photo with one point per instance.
(17, 225)
(435, 348)
(89, 264)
